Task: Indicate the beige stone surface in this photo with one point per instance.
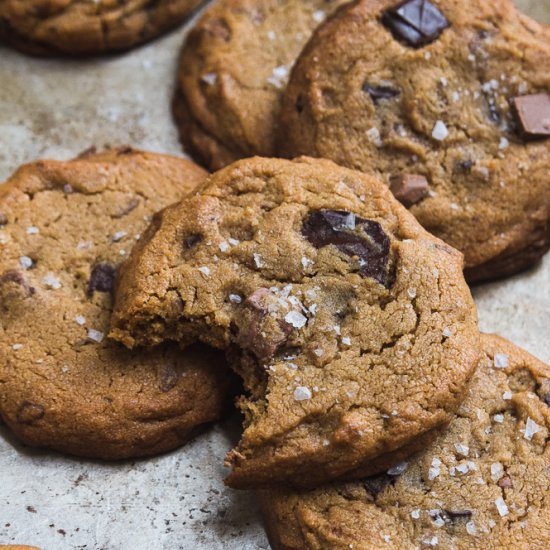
(57, 108)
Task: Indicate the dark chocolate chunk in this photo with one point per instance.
(102, 278)
(415, 22)
(192, 240)
(356, 237)
(259, 332)
(456, 515)
(29, 413)
(376, 484)
(409, 189)
(533, 114)
(17, 277)
(380, 92)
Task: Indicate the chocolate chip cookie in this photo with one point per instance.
(485, 483)
(233, 70)
(64, 229)
(351, 326)
(449, 102)
(79, 27)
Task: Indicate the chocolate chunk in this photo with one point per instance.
(546, 399)
(102, 278)
(376, 484)
(125, 210)
(17, 277)
(533, 114)
(409, 189)
(3, 219)
(505, 482)
(192, 240)
(168, 377)
(261, 326)
(29, 413)
(380, 92)
(456, 515)
(356, 237)
(415, 22)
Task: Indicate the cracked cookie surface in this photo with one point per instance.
(352, 328)
(442, 107)
(64, 229)
(484, 483)
(80, 27)
(233, 70)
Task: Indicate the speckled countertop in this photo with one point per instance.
(177, 501)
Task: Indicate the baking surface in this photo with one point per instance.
(56, 109)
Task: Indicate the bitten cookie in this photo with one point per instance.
(79, 27)
(449, 102)
(64, 229)
(232, 72)
(352, 327)
(485, 483)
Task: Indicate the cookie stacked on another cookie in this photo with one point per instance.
(484, 483)
(449, 102)
(351, 326)
(77, 27)
(64, 229)
(233, 70)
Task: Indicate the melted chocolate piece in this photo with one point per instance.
(458, 514)
(192, 240)
(415, 22)
(533, 115)
(380, 92)
(102, 278)
(376, 484)
(356, 237)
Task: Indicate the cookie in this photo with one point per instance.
(64, 229)
(352, 327)
(485, 483)
(76, 27)
(232, 72)
(456, 100)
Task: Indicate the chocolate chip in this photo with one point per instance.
(102, 278)
(260, 332)
(3, 219)
(192, 240)
(376, 484)
(456, 515)
(29, 413)
(168, 377)
(356, 237)
(17, 277)
(380, 92)
(409, 188)
(505, 482)
(415, 22)
(126, 209)
(533, 114)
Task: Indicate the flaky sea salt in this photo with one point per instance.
(51, 281)
(507, 395)
(373, 135)
(462, 449)
(80, 320)
(233, 242)
(412, 293)
(440, 131)
(319, 352)
(279, 76)
(434, 471)
(235, 298)
(319, 16)
(32, 230)
(503, 144)
(501, 507)
(471, 528)
(296, 319)
(346, 341)
(398, 469)
(209, 78)
(447, 332)
(224, 247)
(301, 393)
(497, 471)
(204, 270)
(501, 360)
(415, 514)
(499, 418)
(95, 335)
(258, 260)
(531, 428)
(25, 262)
(119, 235)
(16, 347)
